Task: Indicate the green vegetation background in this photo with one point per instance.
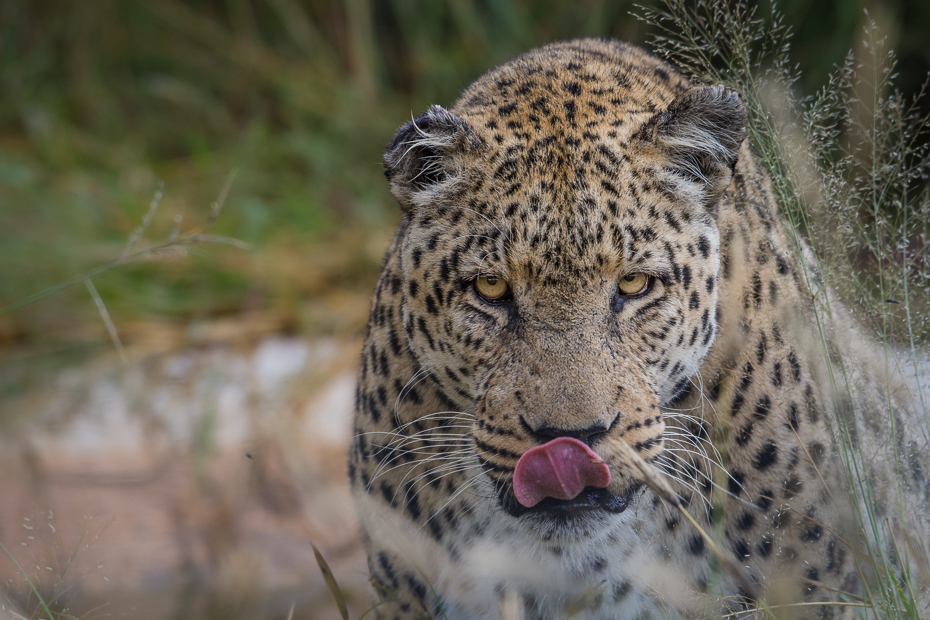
(104, 102)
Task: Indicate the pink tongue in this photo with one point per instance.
(561, 469)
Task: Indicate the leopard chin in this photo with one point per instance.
(590, 500)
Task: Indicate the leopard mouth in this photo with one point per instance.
(591, 499)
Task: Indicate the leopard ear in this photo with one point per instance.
(421, 162)
(699, 135)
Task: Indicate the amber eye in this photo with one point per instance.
(492, 288)
(633, 284)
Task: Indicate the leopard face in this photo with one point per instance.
(573, 298)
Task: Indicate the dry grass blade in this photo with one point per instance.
(586, 599)
(650, 476)
(334, 588)
(14, 610)
(32, 586)
(511, 605)
(736, 571)
(742, 613)
(105, 315)
(217, 206)
(646, 473)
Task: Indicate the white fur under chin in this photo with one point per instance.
(510, 559)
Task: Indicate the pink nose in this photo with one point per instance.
(561, 469)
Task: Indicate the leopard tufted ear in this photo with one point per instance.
(700, 134)
(421, 160)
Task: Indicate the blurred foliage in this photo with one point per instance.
(102, 102)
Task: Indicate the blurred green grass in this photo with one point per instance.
(104, 101)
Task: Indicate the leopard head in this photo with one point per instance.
(561, 264)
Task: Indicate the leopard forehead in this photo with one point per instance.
(570, 93)
(558, 178)
(581, 238)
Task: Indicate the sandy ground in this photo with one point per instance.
(185, 484)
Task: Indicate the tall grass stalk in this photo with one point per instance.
(849, 169)
(32, 586)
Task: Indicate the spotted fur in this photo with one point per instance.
(562, 171)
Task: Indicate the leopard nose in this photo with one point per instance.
(544, 434)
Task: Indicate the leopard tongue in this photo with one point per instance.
(561, 469)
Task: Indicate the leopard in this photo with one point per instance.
(593, 382)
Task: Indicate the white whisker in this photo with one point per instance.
(467, 484)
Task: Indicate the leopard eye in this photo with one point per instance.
(634, 284)
(492, 288)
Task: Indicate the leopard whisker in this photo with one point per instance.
(467, 484)
(412, 482)
(692, 435)
(438, 440)
(430, 448)
(436, 429)
(446, 470)
(437, 415)
(708, 477)
(430, 441)
(684, 439)
(679, 414)
(690, 455)
(669, 469)
(704, 398)
(411, 383)
(455, 464)
(673, 409)
(678, 454)
(403, 437)
(433, 457)
(712, 463)
(484, 258)
(426, 451)
(435, 438)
